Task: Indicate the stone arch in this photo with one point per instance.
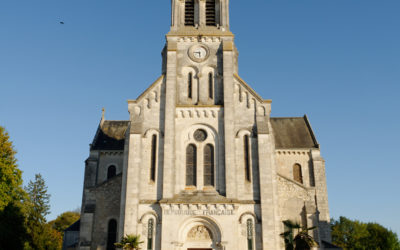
(189, 84)
(212, 139)
(247, 214)
(149, 233)
(242, 132)
(211, 225)
(190, 68)
(188, 134)
(152, 131)
(149, 214)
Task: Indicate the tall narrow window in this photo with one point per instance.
(250, 235)
(150, 231)
(191, 165)
(190, 85)
(210, 13)
(111, 172)
(297, 175)
(246, 157)
(312, 175)
(153, 158)
(210, 86)
(111, 234)
(209, 165)
(189, 13)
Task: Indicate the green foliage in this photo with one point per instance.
(64, 220)
(10, 176)
(130, 242)
(350, 234)
(12, 226)
(42, 236)
(23, 215)
(38, 200)
(302, 240)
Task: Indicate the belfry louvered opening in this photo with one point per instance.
(189, 13)
(211, 13)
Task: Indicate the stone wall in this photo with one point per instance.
(108, 201)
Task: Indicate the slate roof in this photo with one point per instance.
(74, 227)
(293, 133)
(110, 136)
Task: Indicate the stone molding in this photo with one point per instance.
(198, 112)
(292, 152)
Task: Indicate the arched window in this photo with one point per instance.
(150, 233)
(111, 172)
(153, 157)
(211, 13)
(189, 13)
(297, 175)
(246, 157)
(210, 86)
(191, 167)
(250, 235)
(190, 84)
(111, 234)
(209, 165)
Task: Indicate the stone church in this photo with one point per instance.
(200, 163)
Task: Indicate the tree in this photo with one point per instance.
(64, 220)
(12, 214)
(13, 233)
(10, 176)
(130, 242)
(41, 234)
(350, 234)
(301, 241)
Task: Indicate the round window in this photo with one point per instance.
(200, 135)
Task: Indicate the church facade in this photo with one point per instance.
(200, 163)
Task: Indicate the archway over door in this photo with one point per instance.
(200, 233)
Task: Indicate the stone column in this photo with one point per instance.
(169, 133)
(268, 186)
(321, 196)
(229, 122)
(131, 188)
(202, 13)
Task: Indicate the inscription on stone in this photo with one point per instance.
(215, 212)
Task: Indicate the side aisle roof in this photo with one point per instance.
(293, 133)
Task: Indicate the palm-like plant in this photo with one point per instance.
(302, 240)
(130, 242)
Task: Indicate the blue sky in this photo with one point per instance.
(335, 60)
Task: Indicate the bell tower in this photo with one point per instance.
(200, 14)
(198, 36)
(199, 65)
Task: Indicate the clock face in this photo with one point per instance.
(198, 53)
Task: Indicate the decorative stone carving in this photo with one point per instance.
(206, 113)
(199, 233)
